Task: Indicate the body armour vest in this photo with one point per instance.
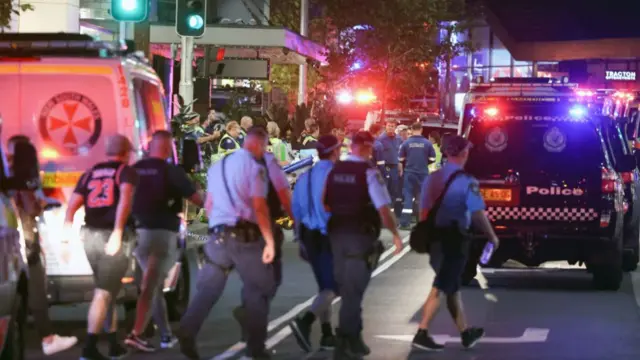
(155, 198)
(347, 195)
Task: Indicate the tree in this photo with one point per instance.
(9, 9)
(396, 40)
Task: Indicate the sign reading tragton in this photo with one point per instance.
(620, 75)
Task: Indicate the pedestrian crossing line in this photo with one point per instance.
(296, 310)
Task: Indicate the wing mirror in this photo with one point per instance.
(191, 159)
(25, 171)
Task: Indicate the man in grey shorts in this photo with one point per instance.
(158, 203)
(106, 192)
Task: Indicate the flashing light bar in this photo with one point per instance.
(361, 97)
(524, 85)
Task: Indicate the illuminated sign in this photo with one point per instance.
(620, 75)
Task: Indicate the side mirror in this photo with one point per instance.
(191, 159)
(25, 170)
(628, 163)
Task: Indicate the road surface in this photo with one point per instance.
(551, 314)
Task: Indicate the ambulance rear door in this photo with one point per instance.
(69, 107)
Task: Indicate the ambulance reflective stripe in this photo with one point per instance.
(540, 213)
(55, 69)
(380, 162)
(407, 211)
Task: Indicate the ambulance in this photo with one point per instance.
(68, 93)
(556, 175)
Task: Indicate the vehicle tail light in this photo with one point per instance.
(608, 181)
(628, 177)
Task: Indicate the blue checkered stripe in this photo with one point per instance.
(541, 213)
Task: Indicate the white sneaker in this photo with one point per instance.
(58, 344)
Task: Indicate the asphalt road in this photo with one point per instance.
(550, 313)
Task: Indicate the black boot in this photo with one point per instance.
(328, 340)
(359, 346)
(344, 347)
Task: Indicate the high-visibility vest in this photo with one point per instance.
(307, 139)
(344, 149)
(278, 148)
(225, 151)
(436, 165)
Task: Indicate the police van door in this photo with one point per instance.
(69, 107)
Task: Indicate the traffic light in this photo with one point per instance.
(191, 17)
(130, 10)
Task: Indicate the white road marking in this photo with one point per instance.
(635, 282)
(530, 335)
(285, 332)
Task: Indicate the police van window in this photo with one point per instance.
(150, 109)
(616, 142)
(562, 147)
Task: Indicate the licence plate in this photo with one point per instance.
(501, 195)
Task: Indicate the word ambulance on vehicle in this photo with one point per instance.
(68, 93)
(553, 186)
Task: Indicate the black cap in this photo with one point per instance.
(453, 145)
(326, 144)
(363, 138)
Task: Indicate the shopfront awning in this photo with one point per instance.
(278, 44)
(556, 30)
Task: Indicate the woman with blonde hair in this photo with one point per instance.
(277, 146)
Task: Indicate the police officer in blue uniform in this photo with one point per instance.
(241, 238)
(279, 203)
(461, 205)
(312, 218)
(359, 204)
(416, 153)
(390, 143)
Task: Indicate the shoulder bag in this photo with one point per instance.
(423, 234)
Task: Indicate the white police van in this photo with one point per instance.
(68, 93)
(552, 186)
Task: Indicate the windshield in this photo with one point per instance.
(525, 145)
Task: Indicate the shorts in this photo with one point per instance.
(108, 271)
(448, 268)
(159, 243)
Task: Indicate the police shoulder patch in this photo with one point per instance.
(474, 187)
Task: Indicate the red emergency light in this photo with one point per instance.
(491, 111)
(361, 97)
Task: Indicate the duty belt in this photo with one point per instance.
(243, 231)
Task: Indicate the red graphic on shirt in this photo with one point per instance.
(70, 122)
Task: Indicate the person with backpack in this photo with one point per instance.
(451, 200)
(156, 208)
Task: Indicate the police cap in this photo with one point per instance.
(453, 145)
(326, 144)
(363, 138)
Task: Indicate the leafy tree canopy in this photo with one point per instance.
(9, 9)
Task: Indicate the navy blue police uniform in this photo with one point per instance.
(354, 192)
(415, 152)
(235, 242)
(390, 147)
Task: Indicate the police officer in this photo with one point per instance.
(106, 192)
(461, 204)
(311, 218)
(242, 239)
(158, 203)
(359, 204)
(390, 143)
(416, 153)
(246, 122)
(310, 140)
(279, 202)
(229, 142)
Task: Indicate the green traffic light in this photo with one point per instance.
(195, 22)
(130, 10)
(129, 5)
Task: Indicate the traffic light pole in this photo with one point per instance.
(122, 31)
(186, 69)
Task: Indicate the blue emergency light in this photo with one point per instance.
(577, 111)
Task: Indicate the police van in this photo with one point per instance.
(68, 93)
(554, 189)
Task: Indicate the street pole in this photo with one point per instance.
(186, 69)
(304, 30)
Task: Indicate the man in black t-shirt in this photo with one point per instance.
(156, 209)
(106, 192)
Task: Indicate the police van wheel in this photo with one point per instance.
(608, 275)
(14, 344)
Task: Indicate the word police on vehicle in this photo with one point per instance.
(554, 191)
